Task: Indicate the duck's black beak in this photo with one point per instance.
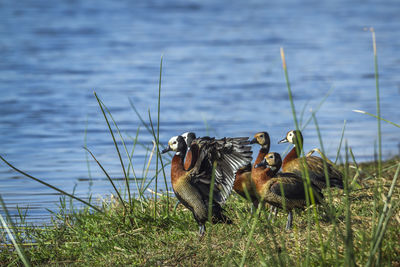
(253, 141)
(166, 150)
(284, 140)
(263, 163)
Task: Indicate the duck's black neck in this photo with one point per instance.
(265, 148)
(182, 150)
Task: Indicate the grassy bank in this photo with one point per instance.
(359, 225)
(83, 237)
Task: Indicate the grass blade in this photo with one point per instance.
(289, 89)
(383, 220)
(318, 107)
(130, 165)
(210, 202)
(15, 240)
(155, 142)
(108, 177)
(250, 236)
(116, 147)
(86, 154)
(377, 117)
(340, 143)
(378, 105)
(51, 186)
(348, 238)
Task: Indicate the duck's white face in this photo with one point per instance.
(173, 143)
(291, 136)
(270, 158)
(185, 136)
(273, 160)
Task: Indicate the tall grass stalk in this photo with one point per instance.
(324, 98)
(155, 143)
(297, 128)
(304, 168)
(116, 148)
(328, 185)
(141, 119)
(341, 141)
(348, 238)
(384, 218)
(13, 237)
(289, 88)
(86, 153)
(158, 136)
(250, 236)
(303, 110)
(126, 152)
(109, 178)
(130, 166)
(377, 117)
(51, 186)
(378, 106)
(210, 208)
(147, 169)
(357, 174)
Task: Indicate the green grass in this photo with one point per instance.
(86, 237)
(359, 225)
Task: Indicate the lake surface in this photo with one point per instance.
(222, 76)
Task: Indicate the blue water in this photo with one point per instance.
(222, 75)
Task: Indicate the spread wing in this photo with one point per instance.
(230, 154)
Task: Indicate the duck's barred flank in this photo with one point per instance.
(282, 190)
(311, 164)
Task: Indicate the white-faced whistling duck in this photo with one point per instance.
(315, 165)
(192, 186)
(243, 180)
(270, 188)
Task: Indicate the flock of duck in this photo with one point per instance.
(195, 158)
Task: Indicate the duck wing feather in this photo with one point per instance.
(293, 187)
(316, 165)
(230, 154)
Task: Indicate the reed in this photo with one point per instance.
(209, 215)
(159, 158)
(378, 105)
(12, 232)
(116, 148)
(109, 178)
(305, 174)
(50, 186)
(86, 153)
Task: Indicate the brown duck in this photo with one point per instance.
(282, 190)
(315, 165)
(243, 180)
(192, 185)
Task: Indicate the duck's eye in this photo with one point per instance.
(271, 157)
(174, 142)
